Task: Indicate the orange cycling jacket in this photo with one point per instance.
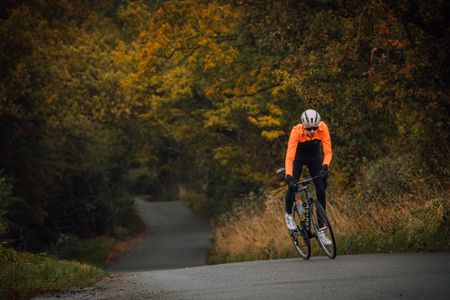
(298, 136)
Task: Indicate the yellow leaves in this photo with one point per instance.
(274, 109)
(252, 89)
(233, 157)
(52, 98)
(211, 91)
(379, 86)
(269, 123)
(190, 24)
(272, 134)
(221, 116)
(223, 155)
(134, 16)
(211, 120)
(277, 90)
(219, 55)
(177, 82)
(264, 121)
(144, 156)
(209, 62)
(285, 80)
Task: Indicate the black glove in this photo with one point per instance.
(324, 172)
(291, 182)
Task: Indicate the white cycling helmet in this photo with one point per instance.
(310, 118)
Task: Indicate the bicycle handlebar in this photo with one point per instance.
(307, 181)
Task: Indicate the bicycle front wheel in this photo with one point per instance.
(300, 238)
(322, 229)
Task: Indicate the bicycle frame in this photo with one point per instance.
(303, 186)
(311, 225)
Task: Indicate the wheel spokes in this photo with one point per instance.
(322, 230)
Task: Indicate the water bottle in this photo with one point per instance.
(299, 207)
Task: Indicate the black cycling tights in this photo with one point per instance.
(314, 168)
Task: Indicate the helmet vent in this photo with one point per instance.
(310, 118)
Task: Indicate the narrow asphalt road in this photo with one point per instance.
(175, 238)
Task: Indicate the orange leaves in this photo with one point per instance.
(395, 43)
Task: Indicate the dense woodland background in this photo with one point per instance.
(196, 99)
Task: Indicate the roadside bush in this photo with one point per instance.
(157, 183)
(92, 251)
(91, 204)
(197, 202)
(391, 176)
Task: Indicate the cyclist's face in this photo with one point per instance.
(311, 132)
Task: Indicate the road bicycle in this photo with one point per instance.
(311, 220)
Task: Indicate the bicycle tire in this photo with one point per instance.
(300, 239)
(318, 213)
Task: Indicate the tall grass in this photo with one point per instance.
(408, 214)
(79, 263)
(248, 234)
(23, 275)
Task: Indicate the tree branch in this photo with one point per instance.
(264, 89)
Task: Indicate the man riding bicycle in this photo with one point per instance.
(304, 149)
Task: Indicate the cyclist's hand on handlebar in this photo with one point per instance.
(324, 172)
(291, 182)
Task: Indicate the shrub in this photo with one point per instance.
(92, 251)
(392, 176)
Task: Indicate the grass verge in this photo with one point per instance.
(405, 223)
(24, 275)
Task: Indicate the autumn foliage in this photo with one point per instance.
(203, 94)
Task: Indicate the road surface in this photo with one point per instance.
(175, 238)
(375, 276)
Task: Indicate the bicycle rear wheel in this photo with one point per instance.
(320, 223)
(300, 238)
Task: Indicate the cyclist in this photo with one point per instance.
(304, 149)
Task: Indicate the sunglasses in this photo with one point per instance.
(311, 128)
